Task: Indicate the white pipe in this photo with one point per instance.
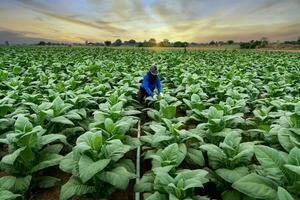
(138, 154)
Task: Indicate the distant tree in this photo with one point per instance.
(107, 43)
(177, 44)
(230, 42)
(6, 43)
(165, 43)
(48, 43)
(118, 43)
(180, 44)
(264, 42)
(42, 43)
(146, 43)
(152, 42)
(140, 44)
(298, 41)
(132, 42)
(194, 44)
(99, 44)
(212, 43)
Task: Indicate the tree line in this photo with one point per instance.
(263, 42)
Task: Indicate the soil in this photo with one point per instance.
(124, 195)
(51, 193)
(180, 112)
(248, 115)
(210, 190)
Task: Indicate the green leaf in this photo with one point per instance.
(54, 148)
(28, 139)
(10, 158)
(88, 168)
(196, 156)
(293, 168)
(256, 186)
(294, 156)
(118, 177)
(62, 120)
(169, 112)
(169, 155)
(73, 115)
(181, 153)
(284, 140)
(231, 195)
(214, 113)
(271, 160)
(47, 160)
(23, 124)
(47, 181)
(109, 125)
(7, 195)
(155, 196)
(75, 188)
(49, 138)
(68, 163)
(232, 175)
(145, 184)
(15, 184)
(116, 150)
(215, 155)
(282, 194)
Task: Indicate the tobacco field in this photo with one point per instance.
(228, 126)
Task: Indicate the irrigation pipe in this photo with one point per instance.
(138, 154)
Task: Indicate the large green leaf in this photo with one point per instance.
(28, 139)
(283, 194)
(23, 124)
(169, 112)
(145, 184)
(118, 177)
(68, 163)
(11, 158)
(232, 175)
(294, 156)
(215, 155)
(271, 160)
(155, 196)
(49, 138)
(7, 195)
(109, 125)
(116, 150)
(47, 160)
(62, 120)
(88, 168)
(231, 195)
(256, 186)
(47, 181)
(196, 156)
(74, 187)
(15, 184)
(170, 154)
(293, 168)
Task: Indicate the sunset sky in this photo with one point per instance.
(27, 21)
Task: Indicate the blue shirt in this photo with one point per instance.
(150, 87)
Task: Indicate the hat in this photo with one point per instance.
(153, 69)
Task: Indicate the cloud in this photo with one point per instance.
(42, 9)
(20, 38)
(192, 20)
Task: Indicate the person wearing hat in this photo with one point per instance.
(149, 83)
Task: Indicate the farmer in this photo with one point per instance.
(149, 83)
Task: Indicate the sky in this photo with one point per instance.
(29, 21)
